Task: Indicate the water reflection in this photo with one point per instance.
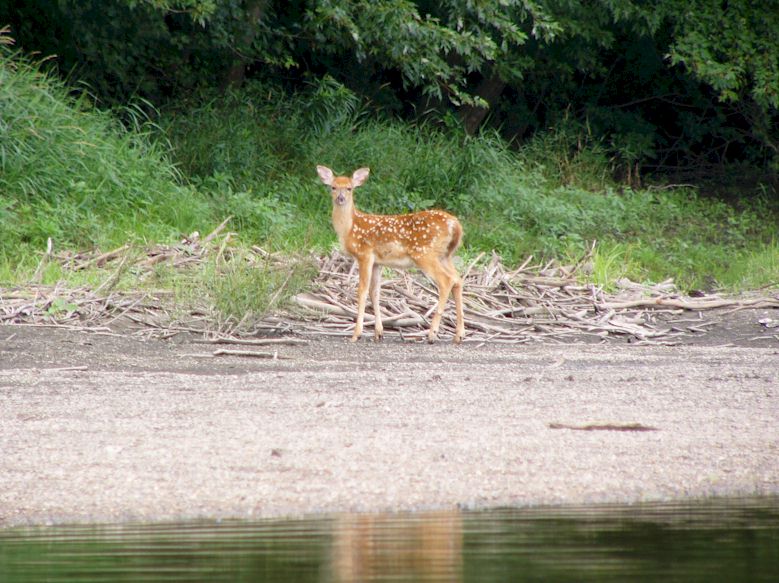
(723, 540)
(411, 547)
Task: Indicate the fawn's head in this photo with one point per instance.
(341, 187)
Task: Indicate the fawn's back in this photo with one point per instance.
(403, 240)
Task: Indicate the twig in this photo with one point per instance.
(38, 275)
(249, 353)
(216, 231)
(102, 259)
(694, 305)
(604, 427)
(113, 279)
(254, 342)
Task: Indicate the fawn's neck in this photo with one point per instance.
(343, 219)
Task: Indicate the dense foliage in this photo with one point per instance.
(535, 121)
(73, 173)
(664, 85)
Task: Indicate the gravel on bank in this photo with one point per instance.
(112, 430)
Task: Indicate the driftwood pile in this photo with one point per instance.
(143, 312)
(531, 303)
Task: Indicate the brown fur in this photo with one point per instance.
(426, 239)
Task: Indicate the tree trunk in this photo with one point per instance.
(489, 90)
(237, 71)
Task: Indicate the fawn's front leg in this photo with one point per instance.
(366, 268)
(375, 289)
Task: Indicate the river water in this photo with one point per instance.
(729, 540)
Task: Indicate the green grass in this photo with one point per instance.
(238, 289)
(72, 173)
(612, 261)
(75, 174)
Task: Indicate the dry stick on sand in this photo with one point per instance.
(249, 353)
(254, 342)
(67, 369)
(604, 427)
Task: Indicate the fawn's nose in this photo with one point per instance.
(340, 197)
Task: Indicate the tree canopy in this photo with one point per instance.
(663, 83)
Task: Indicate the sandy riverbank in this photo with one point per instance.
(151, 431)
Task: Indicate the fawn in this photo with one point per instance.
(426, 239)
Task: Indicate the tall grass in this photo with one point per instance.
(551, 198)
(73, 173)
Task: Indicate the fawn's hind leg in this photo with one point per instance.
(445, 278)
(375, 292)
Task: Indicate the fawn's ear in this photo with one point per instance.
(360, 175)
(325, 174)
